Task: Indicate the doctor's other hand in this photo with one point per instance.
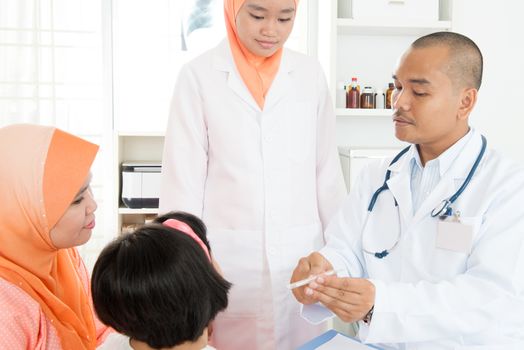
(313, 264)
(349, 298)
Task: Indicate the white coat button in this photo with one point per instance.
(272, 251)
(267, 139)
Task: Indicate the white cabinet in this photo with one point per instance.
(134, 147)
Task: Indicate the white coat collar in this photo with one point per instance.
(399, 183)
(281, 86)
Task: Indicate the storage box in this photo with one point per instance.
(413, 10)
(141, 184)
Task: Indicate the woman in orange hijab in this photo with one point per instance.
(250, 148)
(46, 209)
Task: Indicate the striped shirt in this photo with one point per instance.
(424, 179)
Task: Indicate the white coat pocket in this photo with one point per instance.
(448, 262)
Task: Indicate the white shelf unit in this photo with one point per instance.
(368, 50)
(134, 146)
(349, 26)
(361, 112)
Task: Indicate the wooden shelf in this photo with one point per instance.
(348, 26)
(360, 112)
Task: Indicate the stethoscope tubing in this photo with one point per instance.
(444, 209)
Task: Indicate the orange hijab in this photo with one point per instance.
(43, 169)
(257, 72)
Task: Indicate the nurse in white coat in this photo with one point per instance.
(418, 281)
(250, 148)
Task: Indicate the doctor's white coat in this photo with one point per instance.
(428, 297)
(265, 182)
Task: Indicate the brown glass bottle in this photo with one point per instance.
(389, 95)
(353, 95)
(367, 99)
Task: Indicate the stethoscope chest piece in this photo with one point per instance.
(442, 210)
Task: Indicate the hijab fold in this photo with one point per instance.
(257, 72)
(43, 168)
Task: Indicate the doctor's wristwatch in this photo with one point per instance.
(369, 315)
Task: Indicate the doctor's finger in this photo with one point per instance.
(330, 299)
(355, 285)
(340, 295)
(345, 315)
(342, 313)
(348, 312)
(301, 272)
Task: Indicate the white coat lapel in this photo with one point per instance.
(236, 84)
(399, 185)
(453, 179)
(223, 61)
(282, 84)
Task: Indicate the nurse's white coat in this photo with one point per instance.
(265, 183)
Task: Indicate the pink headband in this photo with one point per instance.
(183, 227)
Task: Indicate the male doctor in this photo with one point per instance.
(433, 241)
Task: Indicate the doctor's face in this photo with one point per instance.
(426, 103)
(75, 226)
(263, 26)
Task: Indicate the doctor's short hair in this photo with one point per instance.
(157, 285)
(465, 58)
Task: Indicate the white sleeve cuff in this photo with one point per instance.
(315, 313)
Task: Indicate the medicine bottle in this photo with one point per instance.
(354, 80)
(367, 99)
(389, 95)
(353, 95)
(380, 100)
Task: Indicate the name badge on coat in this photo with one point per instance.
(455, 236)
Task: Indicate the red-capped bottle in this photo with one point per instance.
(353, 95)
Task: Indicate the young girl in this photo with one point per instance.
(250, 148)
(46, 209)
(158, 285)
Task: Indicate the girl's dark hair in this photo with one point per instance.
(195, 223)
(157, 285)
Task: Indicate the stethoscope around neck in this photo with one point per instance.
(442, 211)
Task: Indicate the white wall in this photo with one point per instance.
(498, 28)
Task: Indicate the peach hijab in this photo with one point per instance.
(43, 168)
(257, 72)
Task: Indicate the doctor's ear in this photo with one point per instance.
(467, 102)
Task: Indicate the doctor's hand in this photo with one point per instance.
(314, 264)
(349, 298)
